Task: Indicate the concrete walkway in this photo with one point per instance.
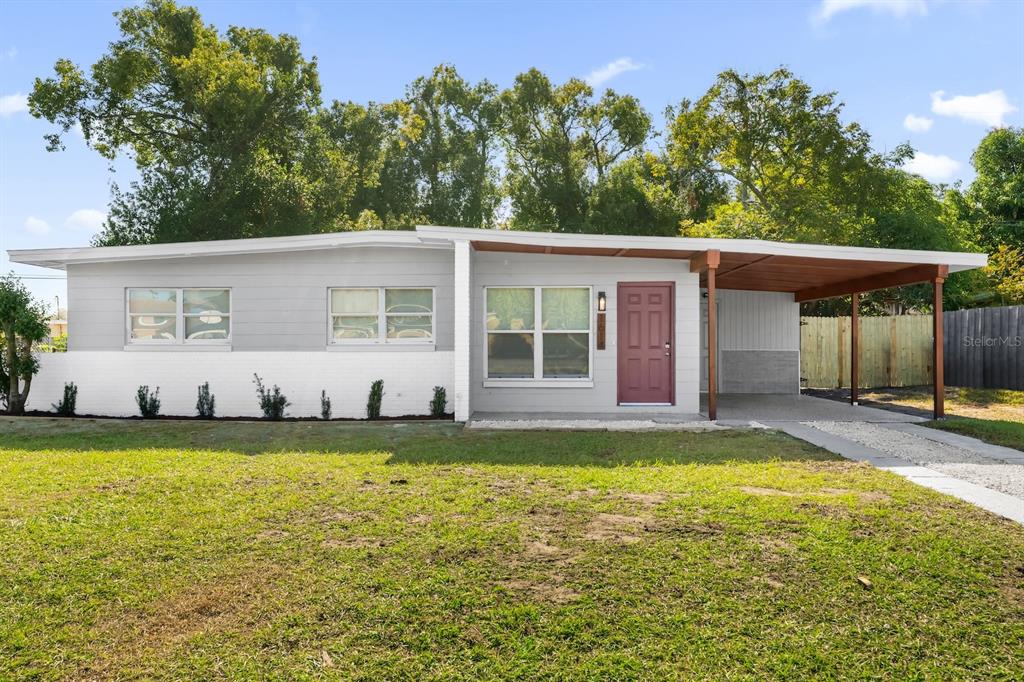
(1001, 503)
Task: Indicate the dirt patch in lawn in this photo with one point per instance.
(173, 620)
(615, 528)
(771, 492)
(646, 499)
(552, 590)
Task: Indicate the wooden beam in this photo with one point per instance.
(712, 346)
(938, 371)
(699, 262)
(621, 252)
(911, 275)
(744, 266)
(854, 345)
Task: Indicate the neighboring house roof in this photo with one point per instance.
(808, 270)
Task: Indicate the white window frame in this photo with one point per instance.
(538, 379)
(382, 321)
(180, 315)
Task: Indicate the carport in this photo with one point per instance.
(807, 271)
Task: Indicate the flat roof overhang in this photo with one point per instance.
(807, 278)
(808, 271)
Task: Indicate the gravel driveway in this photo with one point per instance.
(961, 463)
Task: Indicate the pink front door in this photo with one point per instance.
(645, 335)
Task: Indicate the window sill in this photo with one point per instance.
(387, 347)
(178, 347)
(538, 383)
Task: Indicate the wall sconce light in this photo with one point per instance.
(602, 306)
(602, 302)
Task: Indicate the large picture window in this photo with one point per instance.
(381, 315)
(538, 332)
(179, 316)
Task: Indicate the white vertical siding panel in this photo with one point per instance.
(758, 320)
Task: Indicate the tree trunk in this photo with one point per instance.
(15, 405)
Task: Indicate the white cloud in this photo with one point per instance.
(9, 53)
(611, 70)
(13, 104)
(895, 8)
(36, 226)
(917, 124)
(86, 219)
(988, 107)
(933, 167)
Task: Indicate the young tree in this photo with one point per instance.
(23, 322)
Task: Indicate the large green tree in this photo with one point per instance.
(998, 188)
(560, 144)
(454, 156)
(219, 126)
(796, 170)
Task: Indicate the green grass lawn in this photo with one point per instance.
(998, 432)
(191, 550)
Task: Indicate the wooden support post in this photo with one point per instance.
(712, 347)
(937, 357)
(854, 346)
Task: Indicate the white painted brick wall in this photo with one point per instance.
(463, 320)
(107, 380)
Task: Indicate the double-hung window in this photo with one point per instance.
(537, 333)
(388, 315)
(179, 316)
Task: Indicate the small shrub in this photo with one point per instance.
(272, 402)
(66, 406)
(205, 402)
(149, 403)
(439, 402)
(325, 406)
(373, 402)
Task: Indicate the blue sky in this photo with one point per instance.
(954, 68)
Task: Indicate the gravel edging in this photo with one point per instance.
(959, 462)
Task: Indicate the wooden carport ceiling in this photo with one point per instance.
(801, 275)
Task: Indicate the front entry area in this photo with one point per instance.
(646, 329)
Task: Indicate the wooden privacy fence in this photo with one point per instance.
(894, 351)
(983, 348)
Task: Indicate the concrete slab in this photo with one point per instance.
(799, 408)
(734, 409)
